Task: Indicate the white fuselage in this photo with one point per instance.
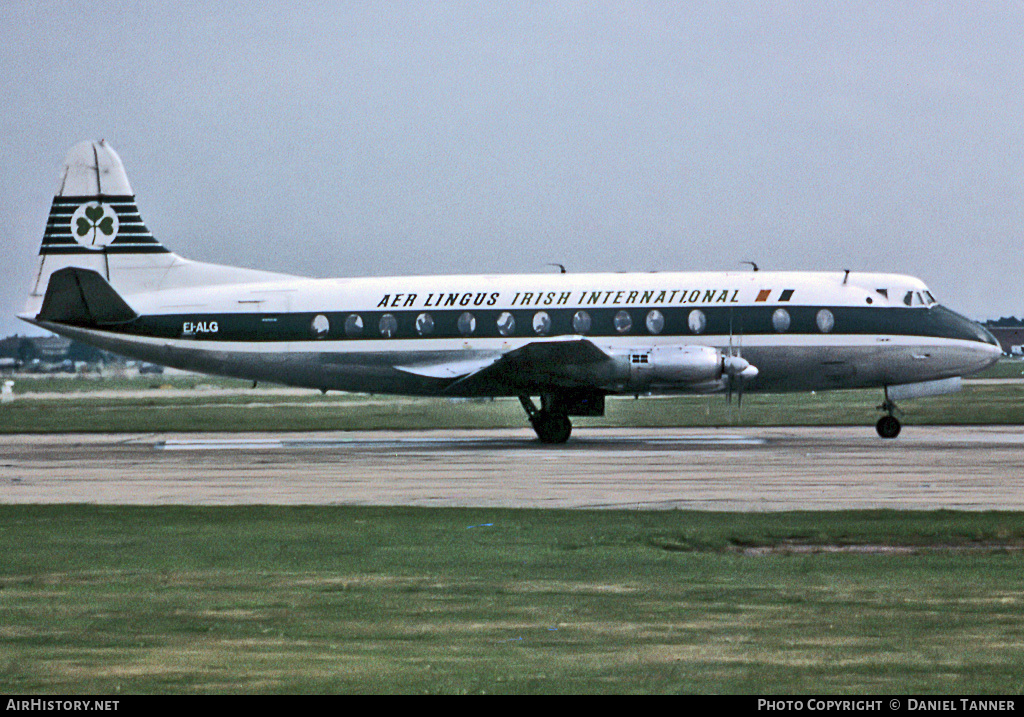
(803, 331)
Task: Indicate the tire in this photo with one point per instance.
(552, 428)
(888, 427)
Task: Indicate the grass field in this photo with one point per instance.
(1005, 368)
(111, 600)
(344, 599)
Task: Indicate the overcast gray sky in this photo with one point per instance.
(375, 138)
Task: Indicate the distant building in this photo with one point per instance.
(51, 349)
(38, 352)
(47, 349)
(1009, 331)
(16, 350)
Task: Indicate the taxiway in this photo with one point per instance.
(762, 469)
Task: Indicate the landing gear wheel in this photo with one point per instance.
(888, 427)
(552, 427)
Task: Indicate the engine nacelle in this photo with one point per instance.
(676, 365)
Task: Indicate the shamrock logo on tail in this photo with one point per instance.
(94, 225)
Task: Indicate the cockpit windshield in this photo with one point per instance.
(919, 298)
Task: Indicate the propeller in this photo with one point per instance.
(736, 369)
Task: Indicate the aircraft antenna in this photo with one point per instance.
(561, 267)
(751, 263)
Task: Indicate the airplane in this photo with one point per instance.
(570, 339)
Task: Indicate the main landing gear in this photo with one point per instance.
(888, 426)
(551, 420)
(551, 425)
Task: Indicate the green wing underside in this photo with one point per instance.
(557, 364)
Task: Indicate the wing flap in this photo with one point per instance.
(449, 369)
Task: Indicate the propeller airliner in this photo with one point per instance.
(569, 339)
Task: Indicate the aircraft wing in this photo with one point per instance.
(566, 363)
(557, 363)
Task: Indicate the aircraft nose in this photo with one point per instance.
(992, 350)
(981, 356)
(990, 338)
(978, 348)
(995, 352)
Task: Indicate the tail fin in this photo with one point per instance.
(94, 212)
(94, 224)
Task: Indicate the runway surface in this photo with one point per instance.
(753, 469)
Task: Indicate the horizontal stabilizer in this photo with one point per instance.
(82, 297)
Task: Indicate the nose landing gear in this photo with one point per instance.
(888, 426)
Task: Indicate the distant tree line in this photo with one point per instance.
(1006, 322)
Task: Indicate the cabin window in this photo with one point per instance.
(697, 321)
(623, 322)
(581, 322)
(424, 324)
(541, 323)
(826, 321)
(781, 320)
(388, 326)
(353, 325)
(506, 324)
(655, 321)
(320, 326)
(467, 324)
